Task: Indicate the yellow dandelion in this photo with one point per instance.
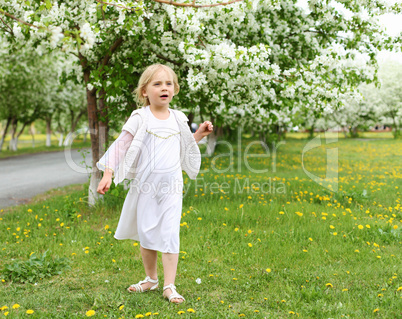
(281, 213)
(241, 206)
(121, 307)
(199, 218)
(179, 312)
(345, 289)
(332, 227)
(256, 311)
(305, 250)
(90, 313)
(190, 310)
(242, 315)
(367, 226)
(29, 210)
(149, 314)
(291, 312)
(250, 245)
(142, 316)
(310, 239)
(29, 312)
(329, 285)
(15, 306)
(3, 308)
(236, 229)
(135, 244)
(379, 257)
(360, 227)
(376, 310)
(395, 226)
(299, 214)
(268, 270)
(335, 233)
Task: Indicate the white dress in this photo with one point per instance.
(160, 195)
(156, 196)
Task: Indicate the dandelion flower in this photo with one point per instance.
(190, 310)
(329, 285)
(148, 314)
(332, 227)
(345, 289)
(367, 226)
(121, 307)
(299, 214)
(241, 206)
(90, 313)
(29, 312)
(141, 316)
(179, 312)
(376, 310)
(16, 306)
(250, 245)
(310, 239)
(199, 218)
(399, 289)
(281, 213)
(360, 226)
(236, 229)
(268, 270)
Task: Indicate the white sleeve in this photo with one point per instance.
(116, 152)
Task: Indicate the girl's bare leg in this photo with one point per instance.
(169, 269)
(149, 258)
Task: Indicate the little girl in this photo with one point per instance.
(156, 143)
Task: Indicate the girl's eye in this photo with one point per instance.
(156, 83)
(169, 83)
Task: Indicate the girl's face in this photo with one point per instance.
(160, 90)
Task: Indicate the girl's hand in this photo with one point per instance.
(105, 183)
(205, 129)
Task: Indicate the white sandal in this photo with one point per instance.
(138, 287)
(174, 293)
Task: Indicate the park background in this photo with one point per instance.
(259, 236)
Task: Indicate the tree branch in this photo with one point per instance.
(11, 30)
(19, 20)
(168, 60)
(112, 49)
(173, 3)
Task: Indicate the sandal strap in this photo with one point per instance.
(149, 279)
(138, 287)
(174, 293)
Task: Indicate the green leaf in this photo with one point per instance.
(48, 4)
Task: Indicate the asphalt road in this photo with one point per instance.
(25, 176)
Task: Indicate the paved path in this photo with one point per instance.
(25, 176)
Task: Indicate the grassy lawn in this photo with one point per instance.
(25, 145)
(269, 244)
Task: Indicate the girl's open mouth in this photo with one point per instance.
(164, 96)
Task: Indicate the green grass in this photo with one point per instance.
(25, 145)
(291, 249)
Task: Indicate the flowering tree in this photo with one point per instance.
(249, 63)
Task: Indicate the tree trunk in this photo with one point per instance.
(212, 139)
(190, 119)
(85, 135)
(5, 133)
(32, 132)
(61, 137)
(103, 124)
(94, 134)
(48, 132)
(13, 141)
(311, 132)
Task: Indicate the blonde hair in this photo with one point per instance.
(147, 76)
